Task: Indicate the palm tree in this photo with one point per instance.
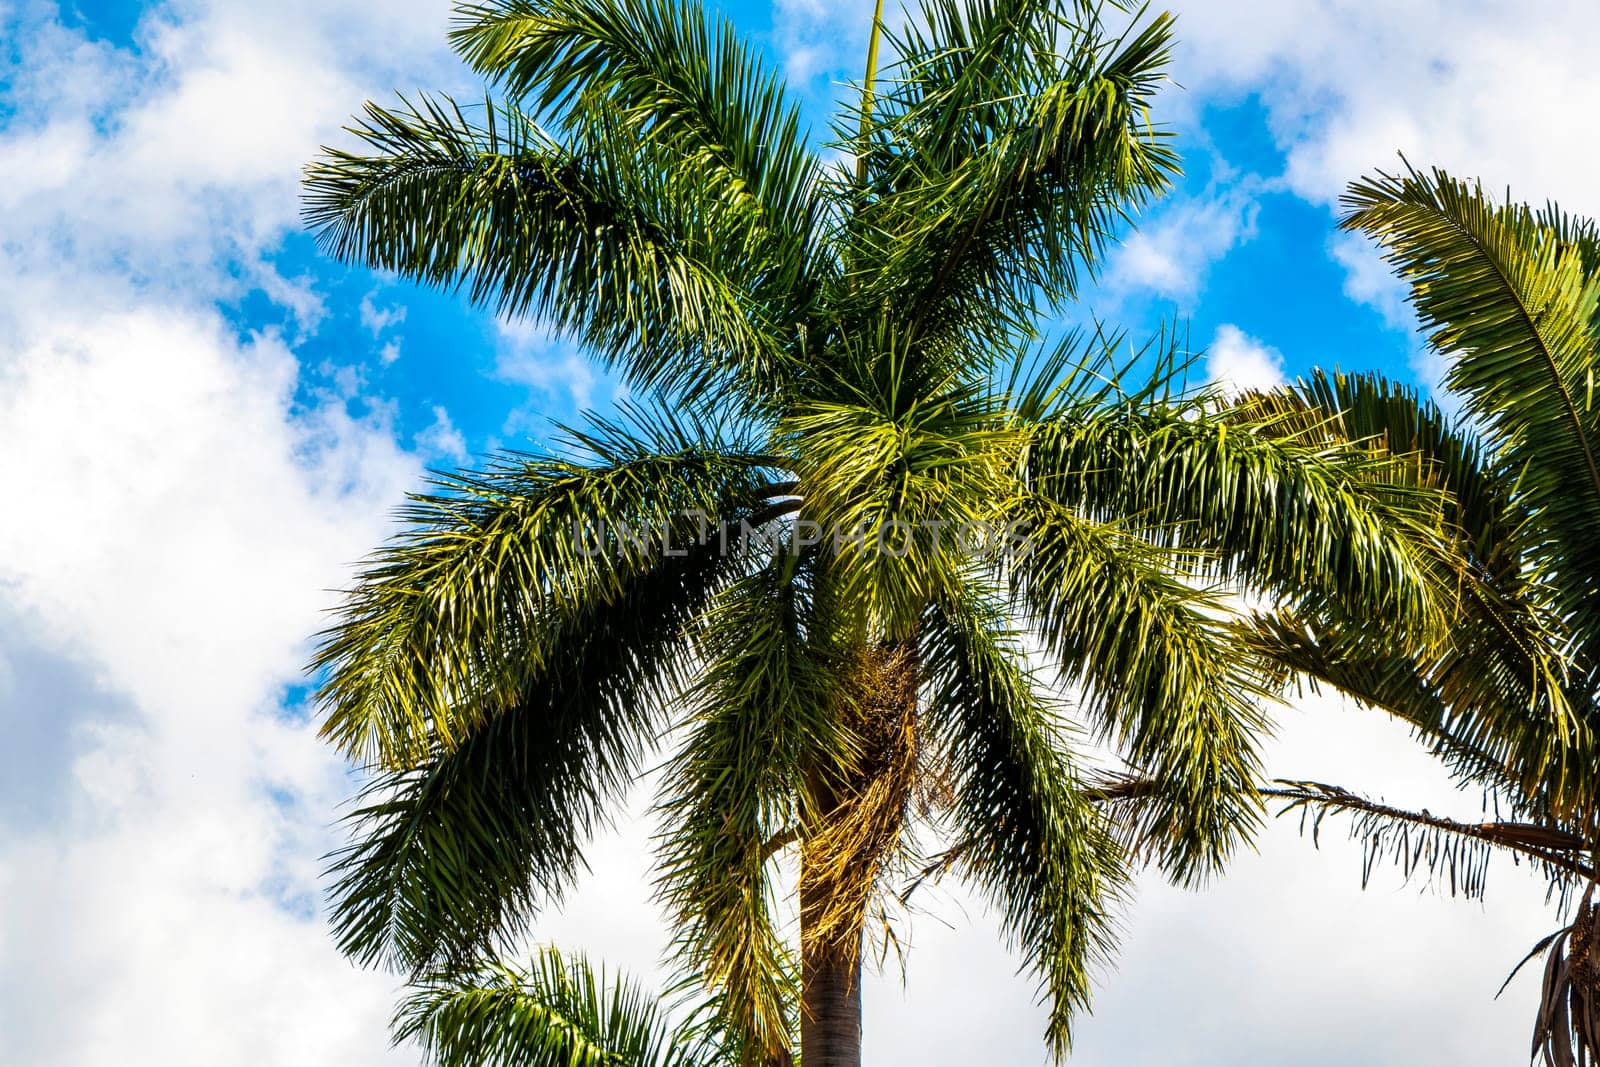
(1510, 297)
(863, 501)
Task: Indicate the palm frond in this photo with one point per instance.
(454, 620)
(556, 1012)
(1481, 749)
(1010, 142)
(673, 79)
(627, 255)
(1567, 1030)
(1449, 852)
(1229, 487)
(1027, 837)
(1160, 675)
(1391, 418)
(458, 852)
(1496, 698)
(1511, 303)
(1452, 853)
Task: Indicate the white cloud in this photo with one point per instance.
(1370, 281)
(178, 508)
(176, 530)
(1173, 252)
(1239, 363)
(185, 157)
(1485, 90)
(555, 373)
(378, 319)
(441, 440)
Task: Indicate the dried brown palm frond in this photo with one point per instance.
(864, 815)
(1567, 1030)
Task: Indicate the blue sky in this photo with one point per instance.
(204, 424)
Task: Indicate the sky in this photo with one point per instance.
(204, 424)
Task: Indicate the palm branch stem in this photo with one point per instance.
(866, 88)
(1553, 846)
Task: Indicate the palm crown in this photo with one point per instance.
(775, 564)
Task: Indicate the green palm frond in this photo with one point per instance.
(1496, 699)
(1511, 302)
(1011, 140)
(1427, 694)
(628, 254)
(1394, 419)
(672, 78)
(1224, 486)
(456, 852)
(1159, 674)
(455, 619)
(556, 1012)
(765, 704)
(1026, 836)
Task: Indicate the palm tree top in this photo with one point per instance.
(834, 347)
(645, 185)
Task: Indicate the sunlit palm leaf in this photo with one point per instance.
(1511, 303)
(1159, 676)
(628, 254)
(556, 1012)
(455, 619)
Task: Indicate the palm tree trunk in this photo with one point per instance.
(830, 976)
(863, 809)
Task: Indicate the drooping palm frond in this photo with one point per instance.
(1224, 486)
(455, 853)
(1414, 690)
(1394, 419)
(1457, 855)
(454, 620)
(1151, 653)
(556, 1012)
(1026, 836)
(1496, 698)
(1450, 852)
(1567, 1030)
(764, 714)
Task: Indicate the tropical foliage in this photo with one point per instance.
(557, 1012)
(1510, 297)
(822, 565)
